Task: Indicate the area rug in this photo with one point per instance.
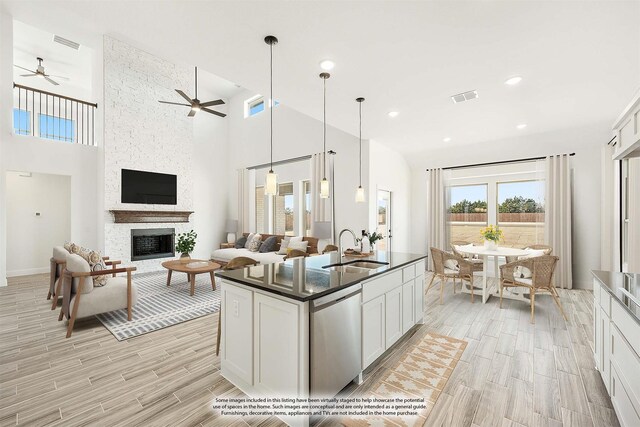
(421, 372)
(160, 306)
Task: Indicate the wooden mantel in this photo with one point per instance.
(121, 216)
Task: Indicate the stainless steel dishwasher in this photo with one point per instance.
(336, 345)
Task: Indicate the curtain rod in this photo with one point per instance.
(286, 161)
(530, 159)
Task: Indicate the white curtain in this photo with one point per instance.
(320, 208)
(435, 212)
(557, 216)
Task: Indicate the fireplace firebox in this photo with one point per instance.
(152, 243)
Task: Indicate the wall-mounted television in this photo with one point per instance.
(148, 187)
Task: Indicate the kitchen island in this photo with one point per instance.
(307, 327)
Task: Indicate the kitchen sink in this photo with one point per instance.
(371, 265)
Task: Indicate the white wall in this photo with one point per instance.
(296, 134)
(390, 171)
(585, 142)
(142, 134)
(31, 236)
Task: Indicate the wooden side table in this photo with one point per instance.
(227, 245)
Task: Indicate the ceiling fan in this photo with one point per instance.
(39, 72)
(195, 103)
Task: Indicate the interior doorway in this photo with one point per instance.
(383, 220)
(38, 218)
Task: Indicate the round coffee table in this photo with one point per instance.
(191, 267)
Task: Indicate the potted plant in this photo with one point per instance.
(373, 238)
(186, 243)
(491, 235)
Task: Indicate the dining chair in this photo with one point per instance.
(443, 270)
(546, 248)
(330, 248)
(235, 264)
(476, 262)
(542, 269)
(295, 253)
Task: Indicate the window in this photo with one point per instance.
(260, 210)
(283, 210)
(467, 212)
(56, 128)
(521, 212)
(306, 207)
(21, 122)
(255, 105)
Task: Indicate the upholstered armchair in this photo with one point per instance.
(450, 266)
(58, 262)
(82, 299)
(535, 274)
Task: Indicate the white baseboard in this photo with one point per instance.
(28, 271)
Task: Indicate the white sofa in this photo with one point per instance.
(228, 254)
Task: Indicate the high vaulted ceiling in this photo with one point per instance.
(580, 60)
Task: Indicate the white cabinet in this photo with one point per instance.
(419, 299)
(237, 316)
(393, 316)
(626, 131)
(276, 357)
(408, 306)
(373, 330)
(617, 342)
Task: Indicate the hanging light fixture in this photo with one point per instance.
(271, 180)
(360, 197)
(324, 184)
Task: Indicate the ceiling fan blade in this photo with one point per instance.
(28, 75)
(211, 103)
(175, 103)
(184, 95)
(191, 113)
(58, 77)
(213, 112)
(22, 68)
(53, 82)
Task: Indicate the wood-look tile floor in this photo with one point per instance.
(512, 373)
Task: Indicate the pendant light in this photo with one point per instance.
(360, 197)
(271, 180)
(324, 184)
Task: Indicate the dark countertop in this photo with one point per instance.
(613, 281)
(304, 279)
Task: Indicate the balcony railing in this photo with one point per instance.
(52, 116)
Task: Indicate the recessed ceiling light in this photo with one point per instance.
(447, 139)
(393, 114)
(513, 80)
(327, 64)
(521, 126)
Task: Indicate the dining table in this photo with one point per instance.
(485, 254)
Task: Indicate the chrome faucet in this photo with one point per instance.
(355, 241)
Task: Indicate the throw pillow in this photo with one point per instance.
(95, 261)
(524, 272)
(249, 238)
(67, 246)
(295, 238)
(451, 264)
(254, 245)
(269, 245)
(284, 244)
(299, 245)
(240, 243)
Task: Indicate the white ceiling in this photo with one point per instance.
(580, 60)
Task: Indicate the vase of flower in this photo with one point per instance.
(186, 243)
(491, 235)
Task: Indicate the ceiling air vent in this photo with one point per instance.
(66, 42)
(464, 96)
